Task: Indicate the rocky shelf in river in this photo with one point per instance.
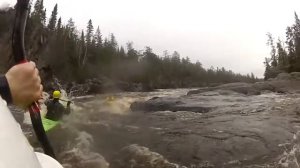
(231, 125)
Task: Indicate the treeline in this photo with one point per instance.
(74, 55)
(284, 55)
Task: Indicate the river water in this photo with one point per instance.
(245, 131)
(84, 136)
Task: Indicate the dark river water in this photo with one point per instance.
(240, 132)
(97, 130)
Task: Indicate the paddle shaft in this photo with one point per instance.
(65, 100)
(18, 46)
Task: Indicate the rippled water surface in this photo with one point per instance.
(84, 135)
(93, 135)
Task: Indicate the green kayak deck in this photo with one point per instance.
(49, 124)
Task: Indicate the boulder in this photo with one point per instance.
(135, 156)
(263, 86)
(243, 88)
(171, 104)
(94, 86)
(295, 75)
(284, 76)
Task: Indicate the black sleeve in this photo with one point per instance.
(47, 102)
(5, 90)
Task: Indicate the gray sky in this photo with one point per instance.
(224, 33)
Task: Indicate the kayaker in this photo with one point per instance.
(109, 99)
(55, 110)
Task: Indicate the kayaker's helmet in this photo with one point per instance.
(56, 94)
(111, 98)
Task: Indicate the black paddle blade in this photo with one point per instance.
(18, 44)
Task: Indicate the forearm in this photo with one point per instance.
(5, 90)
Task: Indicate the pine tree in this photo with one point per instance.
(252, 76)
(59, 26)
(82, 38)
(267, 73)
(42, 5)
(131, 52)
(39, 14)
(36, 8)
(98, 38)
(93, 42)
(290, 38)
(106, 43)
(282, 56)
(89, 33)
(113, 41)
(122, 53)
(176, 57)
(83, 50)
(273, 50)
(53, 18)
(71, 26)
(296, 26)
(44, 17)
(297, 37)
(59, 29)
(166, 54)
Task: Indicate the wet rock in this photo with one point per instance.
(295, 75)
(81, 155)
(284, 76)
(285, 86)
(90, 86)
(128, 87)
(171, 104)
(94, 86)
(147, 87)
(76, 90)
(101, 85)
(284, 83)
(135, 156)
(78, 159)
(243, 88)
(238, 130)
(264, 86)
(203, 102)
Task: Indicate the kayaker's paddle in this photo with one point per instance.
(18, 46)
(65, 100)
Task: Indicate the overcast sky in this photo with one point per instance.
(223, 33)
